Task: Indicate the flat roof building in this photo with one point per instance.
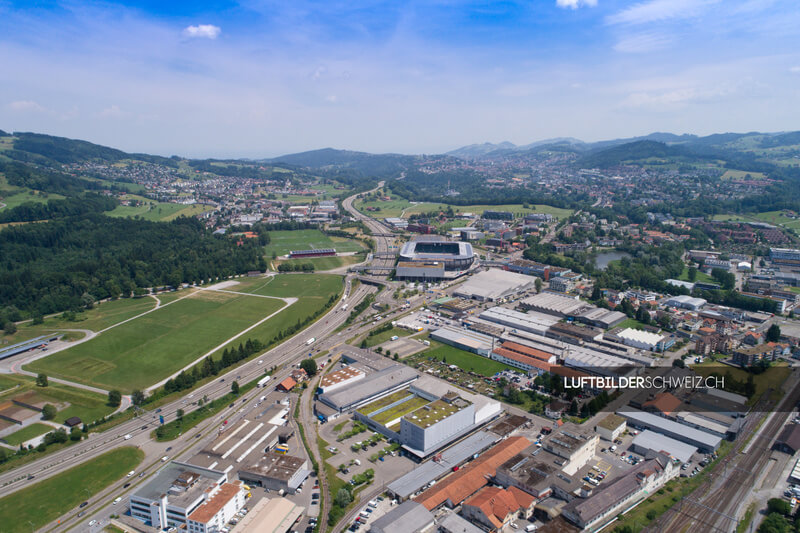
(554, 304)
(537, 323)
(706, 442)
(649, 441)
(494, 284)
(276, 471)
(271, 515)
(408, 517)
(419, 271)
(464, 339)
(380, 383)
(641, 339)
(340, 378)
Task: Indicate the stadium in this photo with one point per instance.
(454, 255)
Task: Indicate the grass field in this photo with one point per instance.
(385, 336)
(742, 174)
(25, 196)
(38, 505)
(467, 361)
(282, 242)
(100, 317)
(776, 218)
(88, 406)
(701, 276)
(157, 211)
(141, 352)
(478, 209)
(27, 433)
(327, 263)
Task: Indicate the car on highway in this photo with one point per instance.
(117, 500)
(84, 504)
(126, 485)
(82, 513)
(93, 522)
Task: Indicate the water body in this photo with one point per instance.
(602, 259)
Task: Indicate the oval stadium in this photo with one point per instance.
(454, 255)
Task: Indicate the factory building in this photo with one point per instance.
(537, 323)
(494, 284)
(381, 383)
(684, 301)
(276, 472)
(340, 379)
(644, 340)
(706, 442)
(419, 271)
(464, 339)
(648, 442)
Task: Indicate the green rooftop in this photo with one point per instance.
(435, 412)
(380, 403)
(399, 410)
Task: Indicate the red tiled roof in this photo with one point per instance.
(663, 402)
(211, 507)
(524, 359)
(495, 503)
(287, 384)
(527, 350)
(460, 485)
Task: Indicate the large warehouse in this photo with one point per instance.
(639, 419)
(553, 304)
(374, 386)
(454, 255)
(494, 284)
(649, 441)
(532, 322)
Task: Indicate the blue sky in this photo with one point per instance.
(257, 78)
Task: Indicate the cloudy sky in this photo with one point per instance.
(258, 78)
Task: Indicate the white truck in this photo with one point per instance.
(263, 381)
(310, 341)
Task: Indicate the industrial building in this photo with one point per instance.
(271, 515)
(785, 256)
(425, 418)
(464, 339)
(532, 322)
(408, 517)
(381, 383)
(643, 340)
(611, 427)
(179, 490)
(600, 317)
(494, 284)
(339, 379)
(495, 508)
(454, 255)
(648, 441)
(789, 439)
(531, 360)
(620, 494)
(684, 301)
(553, 304)
(275, 471)
(576, 444)
(431, 471)
(706, 442)
(419, 271)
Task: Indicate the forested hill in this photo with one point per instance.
(59, 265)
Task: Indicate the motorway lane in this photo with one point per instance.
(98, 443)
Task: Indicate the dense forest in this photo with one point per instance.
(66, 263)
(32, 211)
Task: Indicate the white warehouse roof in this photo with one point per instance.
(661, 443)
(641, 336)
(532, 322)
(494, 284)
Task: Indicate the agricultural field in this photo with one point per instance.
(103, 315)
(742, 175)
(141, 352)
(86, 405)
(466, 361)
(43, 502)
(27, 433)
(282, 242)
(156, 211)
(391, 208)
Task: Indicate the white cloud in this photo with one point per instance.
(794, 70)
(25, 106)
(659, 11)
(113, 112)
(575, 4)
(202, 31)
(642, 43)
(331, 98)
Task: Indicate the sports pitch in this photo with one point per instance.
(282, 242)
